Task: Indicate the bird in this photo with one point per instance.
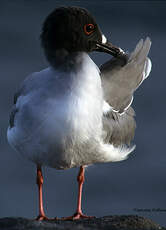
(74, 113)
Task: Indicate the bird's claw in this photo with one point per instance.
(77, 216)
(45, 218)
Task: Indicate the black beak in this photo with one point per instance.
(111, 49)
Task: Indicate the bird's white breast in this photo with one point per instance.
(64, 110)
(85, 102)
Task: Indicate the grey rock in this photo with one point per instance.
(106, 223)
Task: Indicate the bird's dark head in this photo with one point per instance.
(72, 29)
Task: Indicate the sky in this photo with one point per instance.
(127, 187)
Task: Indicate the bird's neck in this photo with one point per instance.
(65, 61)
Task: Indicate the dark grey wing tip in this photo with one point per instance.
(14, 109)
(12, 116)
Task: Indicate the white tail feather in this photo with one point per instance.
(113, 154)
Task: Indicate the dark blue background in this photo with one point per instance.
(114, 188)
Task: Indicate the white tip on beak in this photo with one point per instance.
(121, 51)
(104, 39)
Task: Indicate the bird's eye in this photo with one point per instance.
(88, 29)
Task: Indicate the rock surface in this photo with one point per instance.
(105, 223)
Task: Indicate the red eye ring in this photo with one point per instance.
(88, 29)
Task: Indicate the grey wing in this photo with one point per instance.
(119, 83)
(23, 89)
(37, 89)
(119, 129)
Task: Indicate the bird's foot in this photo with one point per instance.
(42, 218)
(77, 216)
(45, 218)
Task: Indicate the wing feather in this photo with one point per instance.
(120, 81)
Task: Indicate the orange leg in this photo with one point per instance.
(78, 214)
(39, 181)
